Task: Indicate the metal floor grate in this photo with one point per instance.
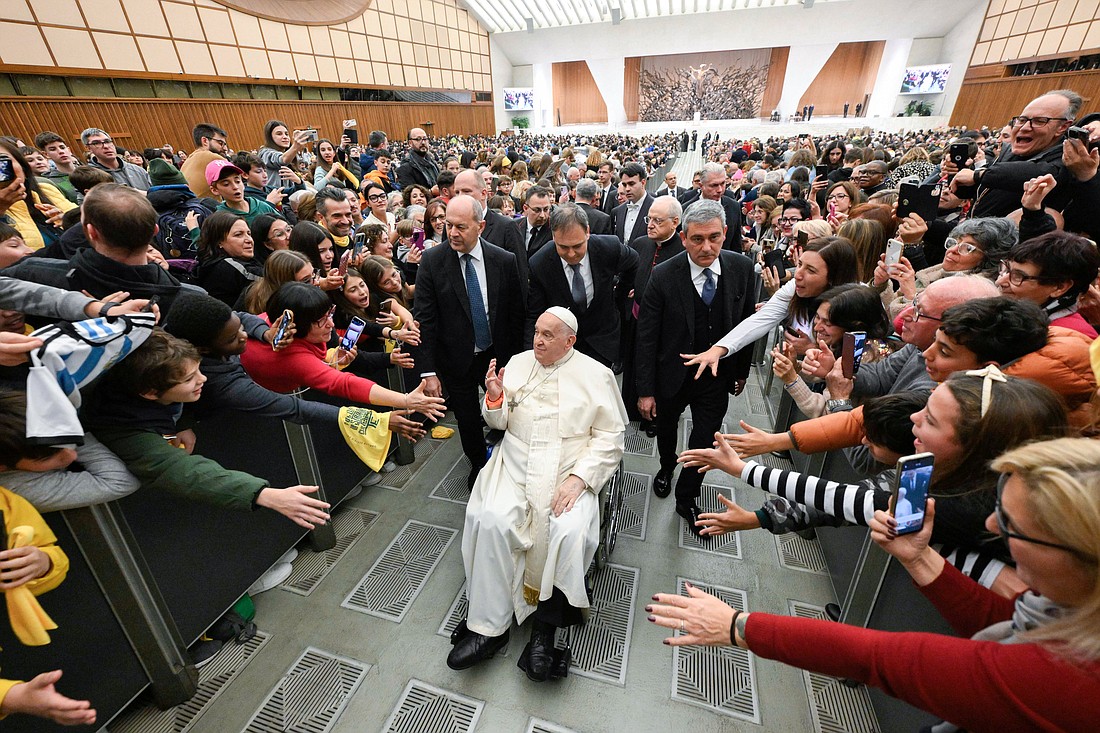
(536, 725)
(310, 568)
(311, 695)
(797, 553)
(757, 404)
(423, 449)
(213, 679)
(453, 486)
(601, 646)
(455, 613)
(424, 708)
(834, 707)
(721, 679)
(400, 573)
(728, 545)
(638, 443)
(773, 461)
(635, 510)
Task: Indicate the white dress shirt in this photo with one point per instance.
(632, 211)
(585, 271)
(698, 278)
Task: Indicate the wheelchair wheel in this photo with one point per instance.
(613, 504)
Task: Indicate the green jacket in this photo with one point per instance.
(160, 466)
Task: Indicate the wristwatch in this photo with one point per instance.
(838, 405)
(740, 622)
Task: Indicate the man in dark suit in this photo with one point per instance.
(533, 228)
(661, 243)
(630, 217)
(714, 189)
(688, 302)
(609, 190)
(498, 228)
(418, 166)
(670, 188)
(470, 307)
(587, 196)
(586, 273)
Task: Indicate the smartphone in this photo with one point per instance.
(345, 259)
(1082, 134)
(852, 353)
(358, 243)
(7, 170)
(821, 171)
(832, 209)
(914, 476)
(418, 239)
(802, 238)
(923, 201)
(352, 134)
(311, 135)
(774, 258)
(959, 153)
(894, 248)
(351, 336)
(385, 306)
(152, 302)
(288, 318)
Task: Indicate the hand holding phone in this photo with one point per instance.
(345, 259)
(351, 336)
(284, 323)
(911, 485)
(894, 248)
(852, 353)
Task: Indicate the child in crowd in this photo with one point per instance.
(227, 182)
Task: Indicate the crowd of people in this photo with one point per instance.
(509, 280)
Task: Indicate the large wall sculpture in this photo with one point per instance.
(721, 85)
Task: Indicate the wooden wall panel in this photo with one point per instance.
(631, 79)
(847, 76)
(577, 99)
(994, 102)
(777, 69)
(154, 122)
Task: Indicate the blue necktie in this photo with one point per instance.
(483, 337)
(708, 287)
(580, 297)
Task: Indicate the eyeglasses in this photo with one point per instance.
(418, 139)
(327, 317)
(1016, 277)
(964, 248)
(837, 197)
(439, 217)
(789, 220)
(1021, 121)
(100, 143)
(219, 141)
(279, 234)
(917, 315)
(376, 197)
(657, 220)
(1003, 522)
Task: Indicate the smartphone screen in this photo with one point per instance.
(351, 336)
(914, 476)
(288, 317)
(852, 353)
(360, 242)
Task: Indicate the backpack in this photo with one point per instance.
(172, 239)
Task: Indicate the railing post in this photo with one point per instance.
(300, 440)
(404, 455)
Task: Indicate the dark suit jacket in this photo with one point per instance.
(613, 267)
(646, 247)
(500, 230)
(666, 324)
(733, 218)
(520, 226)
(610, 201)
(678, 191)
(598, 221)
(619, 214)
(443, 309)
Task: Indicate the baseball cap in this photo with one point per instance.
(219, 169)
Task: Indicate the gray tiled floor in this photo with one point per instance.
(398, 654)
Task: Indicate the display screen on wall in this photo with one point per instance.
(519, 99)
(925, 79)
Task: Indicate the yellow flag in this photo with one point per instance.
(367, 433)
(28, 620)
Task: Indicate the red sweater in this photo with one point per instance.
(977, 685)
(302, 364)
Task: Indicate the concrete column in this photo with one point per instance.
(803, 65)
(609, 77)
(888, 82)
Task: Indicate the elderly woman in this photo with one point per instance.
(974, 247)
(1031, 663)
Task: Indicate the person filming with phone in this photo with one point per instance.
(1031, 662)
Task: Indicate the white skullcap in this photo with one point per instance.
(564, 315)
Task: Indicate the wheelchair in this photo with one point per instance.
(611, 515)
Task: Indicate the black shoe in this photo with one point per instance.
(474, 648)
(617, 367)
(662, 483)
(650, 428)
(690, 512)
(460, 632)
(539, 657)
(832, 611)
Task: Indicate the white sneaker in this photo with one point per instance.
(371, 480)
(388, 466)
(289, 557)
(273, 577)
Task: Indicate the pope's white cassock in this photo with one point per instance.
(565, 418)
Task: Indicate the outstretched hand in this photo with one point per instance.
(722, 456)
(39, 697)
(735, 518)
(702, 618)
(494, 382)
(707, 360)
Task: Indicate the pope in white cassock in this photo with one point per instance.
(532, 522)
